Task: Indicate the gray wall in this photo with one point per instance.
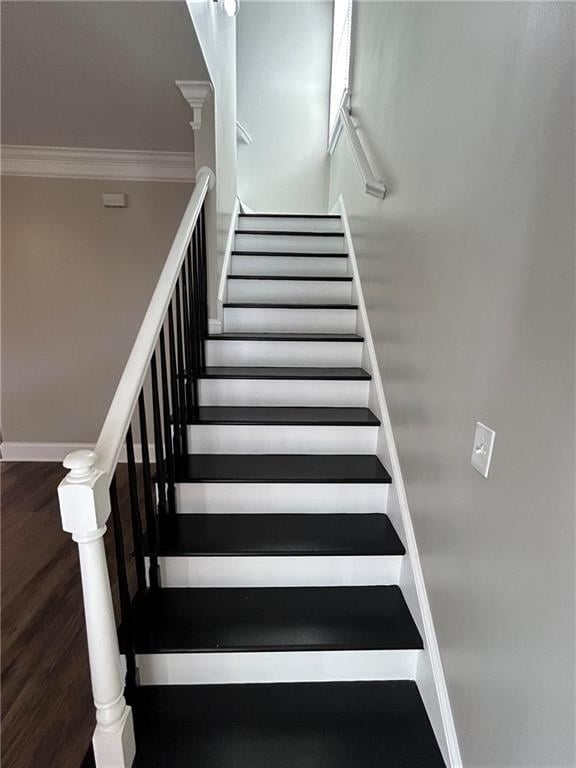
(283, 91)
(93, 74)
(468, 273)
(76, 281)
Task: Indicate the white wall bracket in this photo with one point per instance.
(195, 92)
(242, 135)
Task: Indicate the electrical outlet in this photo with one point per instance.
(482, 449)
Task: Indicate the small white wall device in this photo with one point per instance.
(113, 200)
(483, 447)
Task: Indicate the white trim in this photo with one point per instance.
(285, 498)
(57, 451)
(280, 571)
(226, 262)
(447, 738)
(195, 92)
(336, 354)
(242, 135)
(275, 667)
(214, 327)
(39, 451)
(83, 163)
(282, 438)
(284, 392)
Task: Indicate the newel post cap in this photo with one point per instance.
(82, 465)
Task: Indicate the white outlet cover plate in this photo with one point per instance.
(482, 448)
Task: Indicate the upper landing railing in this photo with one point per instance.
(345, 122)
(160, 376)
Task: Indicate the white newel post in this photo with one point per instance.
(85, 507)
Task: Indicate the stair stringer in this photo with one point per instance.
(430, 674)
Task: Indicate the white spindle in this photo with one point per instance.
(85, 506)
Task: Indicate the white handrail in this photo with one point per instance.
(372, 185)
(124, 402)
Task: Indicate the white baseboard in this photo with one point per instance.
(57, 451)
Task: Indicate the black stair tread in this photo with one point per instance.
(284, 372)
(284, 725)
(215, 619)
(285, 305)
(309, 278)
(284, 232)
(289, 216)
(294, 415)
(352, 337)
(276, 534)
(306, 254)
(280, 468)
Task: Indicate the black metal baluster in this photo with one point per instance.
(198, 299)
(135, 512)
(193, 326)
(123, 590)
(181, 374)
(169, 425)
(151, 524)
(174, 386)
(187, 337)
(158, 447)
(204, 282)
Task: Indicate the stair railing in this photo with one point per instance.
(345, 122)
(160, 375)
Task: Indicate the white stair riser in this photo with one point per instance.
(281, 438)
(277, 571)
(284, 224)
(266, 392)
(296, 243)
(275, 667)
(282, 498)
(299, 320)
(296, 291)
(288, 265)
(284, 353)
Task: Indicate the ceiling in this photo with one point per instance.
(98, 74)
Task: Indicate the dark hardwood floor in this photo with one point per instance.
(47, 710)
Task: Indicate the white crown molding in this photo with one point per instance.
(195, 92)
(80, 163)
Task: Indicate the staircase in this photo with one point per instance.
(269, 628)
(280, 568)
